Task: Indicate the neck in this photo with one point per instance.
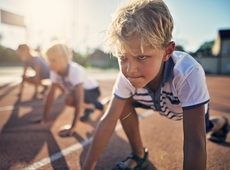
(64, 70)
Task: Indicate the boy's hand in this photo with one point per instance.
(66, 131)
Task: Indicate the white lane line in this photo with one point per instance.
(74, 147)
(5, 108)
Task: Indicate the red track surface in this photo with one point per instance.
(36, 146)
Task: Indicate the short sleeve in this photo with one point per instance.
(32, 63)
(122, 89)
(36, 61)
(193, 91)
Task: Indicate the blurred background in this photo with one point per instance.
(202, 28)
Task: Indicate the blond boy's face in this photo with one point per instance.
(140, 68)
(57, 63)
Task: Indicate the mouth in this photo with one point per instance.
(136, 82)
(133, 77)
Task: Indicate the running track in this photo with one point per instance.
(33, 146)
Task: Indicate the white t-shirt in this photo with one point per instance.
(183, 87)
(74, 76)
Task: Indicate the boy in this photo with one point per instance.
(154, 76)
(83, 92)
(37, 64)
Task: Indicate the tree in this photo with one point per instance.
(8, 55)
(179, 48)
(1, 38)
(205, 49)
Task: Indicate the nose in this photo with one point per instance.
(131, 67)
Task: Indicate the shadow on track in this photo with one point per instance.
(21, 141)
(116, 150)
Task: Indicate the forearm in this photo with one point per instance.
(195, 156)
(49, 101)
(22, 83)
(76, 115)
(102, 135)
(23, 79)
(21, 86)
(36, 84)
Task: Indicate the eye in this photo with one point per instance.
(141, 57)
(122, 58)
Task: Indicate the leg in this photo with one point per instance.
(45, 87)
(218, 126)
(89, 108)
(91, 99)
(130, 124)
(92, 96)
(32, 80)
(218, 123)
(69, 101)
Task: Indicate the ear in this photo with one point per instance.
(169, 50)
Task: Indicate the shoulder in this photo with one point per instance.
(76, 72)
(122, 80)
(122, 87)
(189, 80)
(185, 64)
(75, 67)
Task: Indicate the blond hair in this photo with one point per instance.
(59, 49)
(148, 21)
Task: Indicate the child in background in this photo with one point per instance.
(153, 76)
(38, 64)
(83, 92)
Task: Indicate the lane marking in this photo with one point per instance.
(75, 147)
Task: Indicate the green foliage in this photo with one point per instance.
(179, 48)
(207, 45)
(8, 55)
(205, 49)
(97, 58)
(78, 58)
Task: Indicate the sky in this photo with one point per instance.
(82, 22)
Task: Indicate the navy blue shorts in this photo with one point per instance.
(92, 96)
(209, 124)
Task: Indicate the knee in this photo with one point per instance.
(30, 80)
(25, 79)
(69, 101)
